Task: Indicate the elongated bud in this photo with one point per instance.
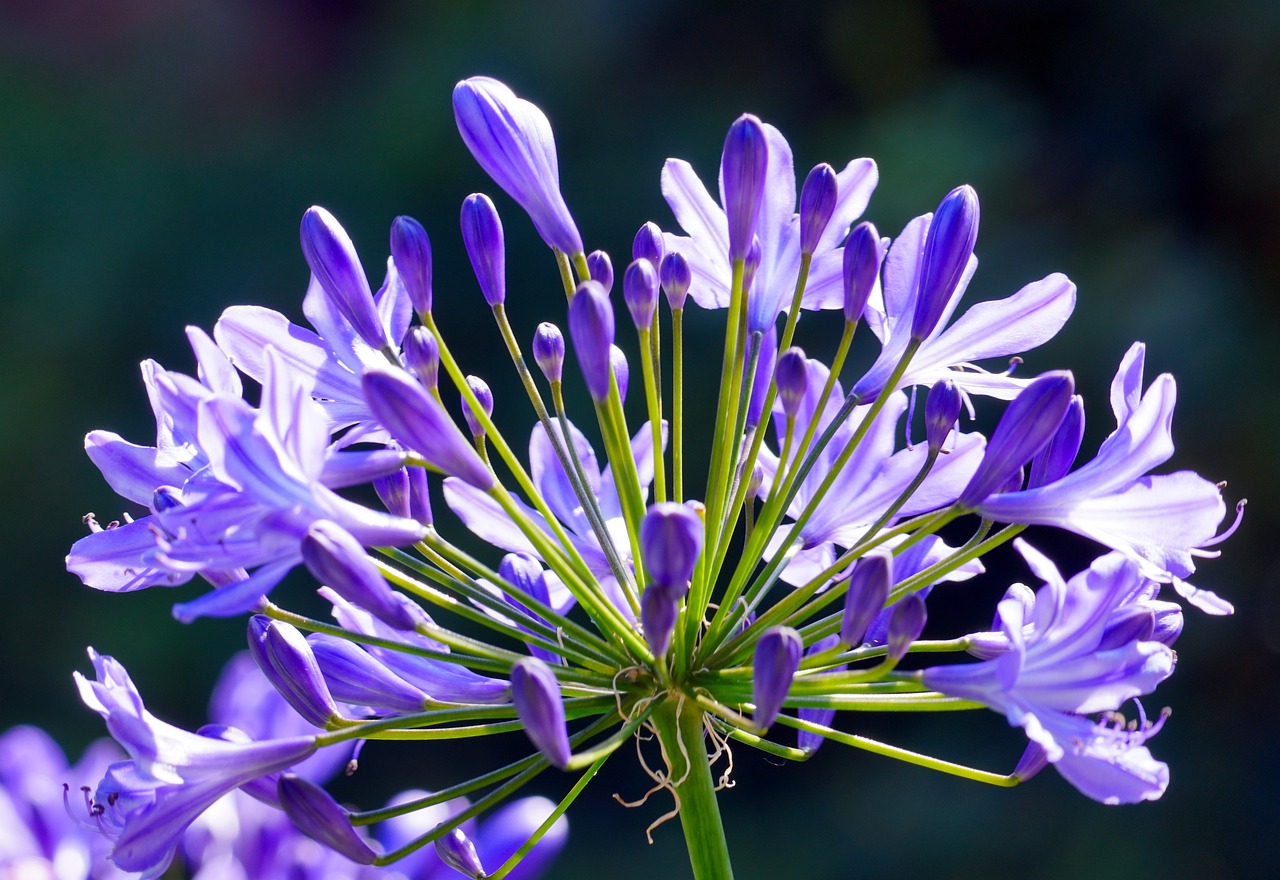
(536, 696)
(866, 594)
(755, 482)
(776, 660)
(591, 329)
(1054, 461)
(285, 658)
(743, 166)
(640, 292)
(484, 395)
(1026, 426)
(600, 269)
(317, 815)
(548, 351)
(792, 376)
(422, 356)
(411, 252)
(941, 409)
(339, 562)
(482, 234)
(948, 245)
(405, 494)
(676, 276)
(416, 419)
(817, 204)
(649, 244)
(512, 141)
(658, 612)
(906, 622)
(670, 542)
(356, 678)
(621, 370)
(457, 851)
(333, 261)
(749, 267)
(863, 254)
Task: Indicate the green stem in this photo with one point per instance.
(678, 722)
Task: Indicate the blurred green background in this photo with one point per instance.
(156, 156)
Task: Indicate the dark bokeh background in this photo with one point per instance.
(156, 155)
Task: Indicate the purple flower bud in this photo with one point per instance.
(536, 695)
(416, 419)
(1054, 461)
(749, 266)
(906, 622)
(670, 541)
(1168, 626)
(640, 292)
(548, 351)
(355, 677)
(339, 562)
(1026, 426)
(776, 661)
(317, 815)
(600, 268)
(868, 589)
(166, 498)
(742, 169)
(649, 244)
(285, 658)
(484, 395)
(411, 252)
(817, 204)
(457, 851)
(512, 141)
(621, 370)
(792, 376)
(941, 409)
(591, 329)
(482, 234)
(658, 611)
(333, 261)
(422, 356)
(948, 245)
(405, 494)
(755, 482)
(676, 276)
(863, 253)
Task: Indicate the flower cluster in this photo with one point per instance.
(626, 596)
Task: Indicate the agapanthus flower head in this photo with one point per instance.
(604, 596)
(512, 141)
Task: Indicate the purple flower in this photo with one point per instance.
(947, 249)
(707, 245)
(336, 266)
(174, 775)
(411, 256)
(993, 329)
(591, 328)
(512, 141)
(1159, 521)
(777, 658)
(1060, 668)
(482, 234)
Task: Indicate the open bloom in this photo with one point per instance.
(1059, 667)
